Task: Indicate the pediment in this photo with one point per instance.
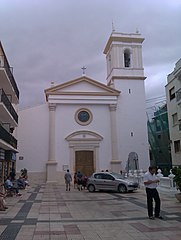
(82, 86)
(84, 135)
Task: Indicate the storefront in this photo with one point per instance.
(7, 162)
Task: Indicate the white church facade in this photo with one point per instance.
(89, 126)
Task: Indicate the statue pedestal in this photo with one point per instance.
(51, 171)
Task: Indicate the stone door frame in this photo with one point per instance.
(84, 141)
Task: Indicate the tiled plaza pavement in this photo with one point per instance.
(48, 212)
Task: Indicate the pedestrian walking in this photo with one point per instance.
(151, 182)
(68, 179)
(79, 180)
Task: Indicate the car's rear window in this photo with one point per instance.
(98, 176)
(103, 176)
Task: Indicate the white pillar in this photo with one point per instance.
(96, 159)
(114, 139)
(52, 109)
(72, 159)
(115, 161)
(51, 164)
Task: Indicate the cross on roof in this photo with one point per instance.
(83, 69)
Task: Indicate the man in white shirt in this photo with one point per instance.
(151, 181)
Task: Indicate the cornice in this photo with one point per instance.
(85, 93)
(142, 78)
(125, 38)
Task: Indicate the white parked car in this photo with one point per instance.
(110, 181)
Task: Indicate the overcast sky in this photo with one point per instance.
(50, 40)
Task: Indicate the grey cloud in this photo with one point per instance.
(50, 40)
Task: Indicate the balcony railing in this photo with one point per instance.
(7, 137)
(4, 64)
(4, 99)
(178, 95)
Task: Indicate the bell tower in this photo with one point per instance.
(125, 73)
(124, 56)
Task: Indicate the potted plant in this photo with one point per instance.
(177, 172)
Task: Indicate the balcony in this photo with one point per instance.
(178, 96)
(8, 138)
(6, 71)
(4, 99)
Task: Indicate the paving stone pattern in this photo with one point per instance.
(48, 212)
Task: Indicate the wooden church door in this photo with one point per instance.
(84, 162)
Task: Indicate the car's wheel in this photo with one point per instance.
(122, 188)
(91, 188)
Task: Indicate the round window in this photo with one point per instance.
(83, 116)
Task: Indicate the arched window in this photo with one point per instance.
(127, 58)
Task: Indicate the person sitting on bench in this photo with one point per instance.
(9, 185)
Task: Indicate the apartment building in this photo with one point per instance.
(173, 94)
(9, 99)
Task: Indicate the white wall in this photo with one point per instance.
(66, 124)
(132, 118)
(33, 138)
